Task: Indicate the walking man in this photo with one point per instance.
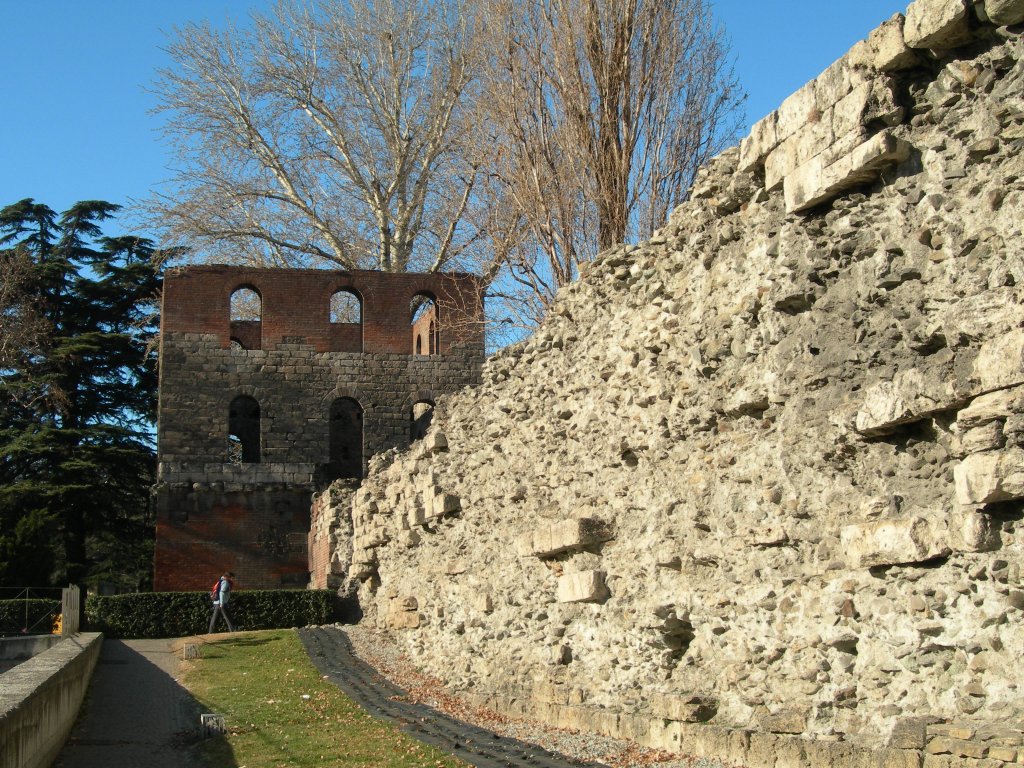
(221, 594)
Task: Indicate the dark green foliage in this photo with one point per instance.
(33, 616)
(77, 400)
(180, 614)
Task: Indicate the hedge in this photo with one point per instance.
(40, 615)
(180, 614)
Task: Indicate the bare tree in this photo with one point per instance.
(601, 112)
(22, 326)
(326, 134)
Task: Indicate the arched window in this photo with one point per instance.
(246, 305)
(346, 307)
(244, 430)
(346, 439)
(422, 414)
(426, 336)
(246, 316)
(346, 316)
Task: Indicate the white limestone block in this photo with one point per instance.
(442, 504)
(982, 478)
(974, 531)
(990, 407)
(796, 111)
(891, 542)
(763, 138)
(690, 708)
(889, 48)
(813, 183)
(1000, 362)
(847, 113)
(564, 536)
(832, 85)
(910, 396)
(582, 587)
(937, 24)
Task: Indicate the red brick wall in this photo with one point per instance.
(319, 542)
(296, 306)
(259, 535)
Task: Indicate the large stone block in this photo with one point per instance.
(1000, 362)
(1005, 12)
(887, 48)
(937, 24)
(763, 138)
(582, 587)
(796, 111)
(891, 542)
(565, 536)
(983, 478)
(691, 708)
(813, 183)
(912, 395)
(989, 407)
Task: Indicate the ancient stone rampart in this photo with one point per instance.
(754, 489)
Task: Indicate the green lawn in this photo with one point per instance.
(280, 713)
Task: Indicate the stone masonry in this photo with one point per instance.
(755, 489)
(299, 392)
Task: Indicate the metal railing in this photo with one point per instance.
(32, 618)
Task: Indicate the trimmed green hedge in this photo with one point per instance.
(179, 614)
(40, 615)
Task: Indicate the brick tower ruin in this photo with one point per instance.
(274, 382)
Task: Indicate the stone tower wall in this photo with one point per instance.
(754, 489)
(254, 518)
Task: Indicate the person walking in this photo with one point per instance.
(221, 594)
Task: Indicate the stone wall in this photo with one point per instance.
(252, 516)
(40, 699)
(754, 489)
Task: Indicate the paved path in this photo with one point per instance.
(332, 654)
(135, 715)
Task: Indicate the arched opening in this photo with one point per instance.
(346, 439)
(246, 318)
(422, 415)
(426, 335)
(346, 307)
(346, 316)
(244, 430)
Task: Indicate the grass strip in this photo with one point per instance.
(279, 712)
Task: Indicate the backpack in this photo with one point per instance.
(215, 591)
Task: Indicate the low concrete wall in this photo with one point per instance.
(40, 699)
(15, 648)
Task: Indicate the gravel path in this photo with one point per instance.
(371, 670)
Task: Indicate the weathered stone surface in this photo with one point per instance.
(992, 476)
(788, 529)
(936, 24)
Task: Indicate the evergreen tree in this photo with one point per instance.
(77, 405)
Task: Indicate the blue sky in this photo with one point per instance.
(75, 122)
